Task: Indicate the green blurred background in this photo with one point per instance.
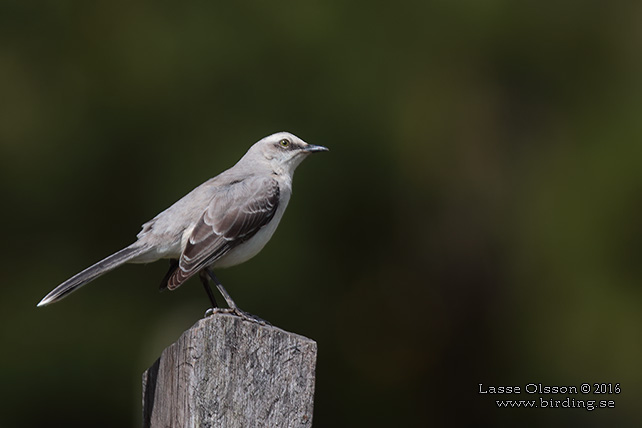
(477, 220)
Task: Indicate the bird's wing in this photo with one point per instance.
(235, 214)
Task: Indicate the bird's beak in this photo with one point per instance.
(313, 148)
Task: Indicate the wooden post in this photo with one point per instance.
(227, 372)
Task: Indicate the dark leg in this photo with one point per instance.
(206, 284)
(232, 306)
(221, 289)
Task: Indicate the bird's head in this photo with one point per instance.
(283, 151)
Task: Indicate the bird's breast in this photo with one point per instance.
(250, 248)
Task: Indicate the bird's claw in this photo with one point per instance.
(249, 317)
(239, 313)
(212, 311)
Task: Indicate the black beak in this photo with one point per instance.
(313, 148)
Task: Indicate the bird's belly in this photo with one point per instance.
(248, 249)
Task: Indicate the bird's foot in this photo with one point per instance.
(212, 311)
(239, 313)
(249, 317)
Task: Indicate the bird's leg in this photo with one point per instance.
(221, 289)
(206, 284)
(214, 309)
(232, 306)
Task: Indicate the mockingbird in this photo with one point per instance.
(223, 222)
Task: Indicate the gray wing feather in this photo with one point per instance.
(234, 215)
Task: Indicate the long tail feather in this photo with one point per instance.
(102, 267)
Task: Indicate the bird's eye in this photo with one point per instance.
(285, 143)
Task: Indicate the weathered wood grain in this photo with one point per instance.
(227, 372)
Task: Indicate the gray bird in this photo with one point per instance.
(223, 222)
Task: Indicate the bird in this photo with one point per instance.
(224, 222)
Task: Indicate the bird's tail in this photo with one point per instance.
(102, 267)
